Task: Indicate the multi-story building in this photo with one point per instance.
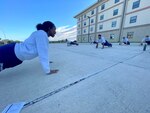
(114, 19)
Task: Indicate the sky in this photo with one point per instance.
(18, 18)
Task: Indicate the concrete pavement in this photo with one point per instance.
(90, 80)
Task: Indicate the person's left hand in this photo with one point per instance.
(53, 71)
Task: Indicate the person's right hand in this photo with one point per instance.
(53, 71)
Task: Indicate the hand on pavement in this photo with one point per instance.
(53, 71)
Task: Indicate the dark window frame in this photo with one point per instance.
(102, 6)
(136, 4)
(91, 29)
(116, 1)
(84, 31)
(114, 24)
(102, 17)
(92, 21)
(133, 19)
(92, 12)
(130, 35)
(100, 27)
(115, 12)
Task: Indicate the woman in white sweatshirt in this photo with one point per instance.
(36, 45)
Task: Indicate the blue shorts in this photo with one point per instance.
(7, 56)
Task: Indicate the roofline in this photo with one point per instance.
(87, 8)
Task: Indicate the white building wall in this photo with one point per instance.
(119, 7)
(92, 27)
(94, 18)
(108, 14)
(85, 30)
(79, 32)
(83, 23)
(143, 17)
(118, 20)
(79, 19)
(94, 12)
(108, 18)
(143, 4)
(111, 3)
(142, 13)
(107, 25)
(89, 13)
(78, 25)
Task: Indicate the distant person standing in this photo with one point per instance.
(146, 40)
(36, 45)
(125, 40)
(103, 41)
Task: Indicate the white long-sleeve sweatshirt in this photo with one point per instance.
(125, 40)
(102, 40)
(36, 45)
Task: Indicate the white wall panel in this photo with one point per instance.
(143, 3)
(92, 26)
(143, 17)
(108, 25)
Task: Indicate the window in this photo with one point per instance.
(92, 12)
(83, 39)
(114, 23)
(102, 6)
(84, 23)
(101, 17)
(100, 27)
(91, 29)
(115, 12)
(116, 1)
(84, 16)
(112, 36)
(84, 30)
(136, 4)
(78, 19)
(133, 19)
(92, 21)
(130, 34)
(78, 25)
(78, 32)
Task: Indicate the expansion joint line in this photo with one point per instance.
(63, 88)
(72, 84)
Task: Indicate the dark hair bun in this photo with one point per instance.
(39, 27)
(45, 26)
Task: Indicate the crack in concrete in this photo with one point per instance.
(65, 87)
(73, 83)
